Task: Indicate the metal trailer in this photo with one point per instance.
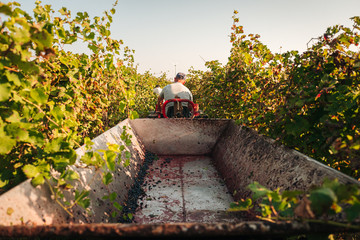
(202, 166)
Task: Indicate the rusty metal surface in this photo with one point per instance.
(247, 230)
(243, 156)
(179, 136)
(184, 189)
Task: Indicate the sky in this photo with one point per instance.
(171, 36)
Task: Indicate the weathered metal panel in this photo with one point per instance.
(25, 204)
(179, 136)
(243, 156)
(29, 205)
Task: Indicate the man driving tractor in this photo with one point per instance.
(176, 90)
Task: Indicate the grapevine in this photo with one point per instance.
(54, 101)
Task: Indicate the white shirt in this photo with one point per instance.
(176, 90)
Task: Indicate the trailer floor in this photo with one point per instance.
(184, 189)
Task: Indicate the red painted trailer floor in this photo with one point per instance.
(184, 189)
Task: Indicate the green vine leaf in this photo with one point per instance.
(321, 200)
(242, 205)
(39, 95)
(353, 212)
(30, 171)
(107, 178)
(13, 77)
(92, 159)
(258, 190)
(5, 91)
(71, 175)
(118, 206)
(110, 159)
(7, 144)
